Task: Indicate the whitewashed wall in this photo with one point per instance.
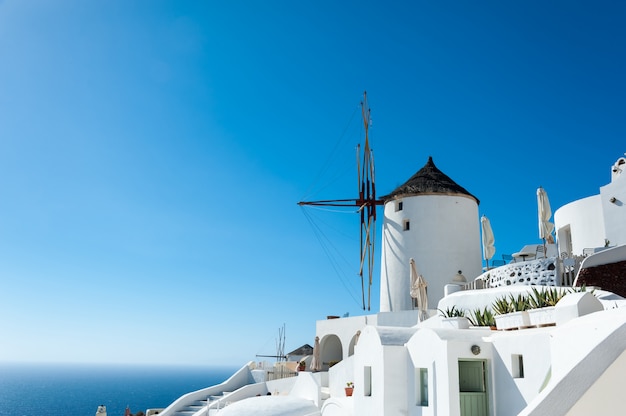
(585, 221)
(513, 394)
(369, 353)
(444, 237)
(343, 329)
(384, 352)
(427, 350)
(613, 198)
(589, 221)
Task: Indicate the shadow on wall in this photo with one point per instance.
(512, 401)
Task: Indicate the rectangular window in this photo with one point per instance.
(407, 225)
(399, 205)
(517, 366)
(421, 384)
(367, 381)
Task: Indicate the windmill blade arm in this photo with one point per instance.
(332, 203)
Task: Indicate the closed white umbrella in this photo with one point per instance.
(316, 364)
(544, 213)
(418, 290)
(488, 240)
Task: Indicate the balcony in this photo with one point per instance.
(548, 271)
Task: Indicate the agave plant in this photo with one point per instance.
(501, 306)
(583, 288)
(519, 303)
(482, 317)
(538, 299)
(554, 295)
(453, 312)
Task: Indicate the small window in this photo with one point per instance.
(399, 205)
(407, 225)
(421, 384)
(367, 381)
(517, 366)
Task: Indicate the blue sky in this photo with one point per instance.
(152, 154)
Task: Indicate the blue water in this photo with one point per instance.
(77, 390)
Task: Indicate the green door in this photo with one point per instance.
(473, 388)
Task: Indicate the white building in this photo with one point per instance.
(563, 360)
(432, 220)
(596, 221)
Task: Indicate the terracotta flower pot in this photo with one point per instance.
(349, 391)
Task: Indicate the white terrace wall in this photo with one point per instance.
(580, 222)
(381, 370)
(428, 351)
(369, 353)
(396, 369)
(606, 394)
(512, 393)
(587, 358)
(439, 351)
(338, 336)
(541, 272)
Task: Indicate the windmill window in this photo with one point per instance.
(399, 205)
(407, 225)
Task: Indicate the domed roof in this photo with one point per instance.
(429, 180)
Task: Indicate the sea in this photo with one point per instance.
(78, 389)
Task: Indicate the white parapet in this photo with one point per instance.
(574, 305)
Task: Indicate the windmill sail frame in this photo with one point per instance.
(366, 204)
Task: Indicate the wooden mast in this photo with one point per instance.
(366, 203)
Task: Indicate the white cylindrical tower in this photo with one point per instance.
(434, 221)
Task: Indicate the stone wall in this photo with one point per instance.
(611, 277)
(535, 272)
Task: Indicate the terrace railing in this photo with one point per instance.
(549, 271)
(279, 372)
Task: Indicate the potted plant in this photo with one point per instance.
(483, 318)
(454, 318)
(349, 388)
(512, 313)
(542, 304)
(501, 306)
(302, 365)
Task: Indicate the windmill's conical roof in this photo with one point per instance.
(429, 180)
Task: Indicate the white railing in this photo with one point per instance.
(549, 271)
(240, 378)
(278, 373)
(569, 267)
